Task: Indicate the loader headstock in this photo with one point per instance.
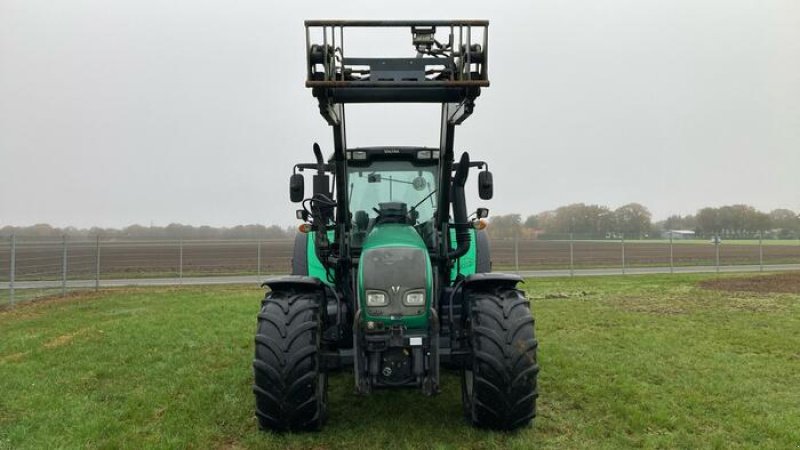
(450, 64)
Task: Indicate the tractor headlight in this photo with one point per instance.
(414, 298)
(377, 298)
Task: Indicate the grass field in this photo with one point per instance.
(636, 361)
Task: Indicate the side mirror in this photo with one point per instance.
(482, 213)
(297, 188)
(419, 183)
(485, 185)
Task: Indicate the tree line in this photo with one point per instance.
(634, 221)
(631, 221)
(172, 231)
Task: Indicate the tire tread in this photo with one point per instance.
(286, 365)
(504, 366)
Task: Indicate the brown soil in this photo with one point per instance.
(122, 259)
(782, 282)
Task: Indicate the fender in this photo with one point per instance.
(474, 282)
(480, 280)
(299, 282)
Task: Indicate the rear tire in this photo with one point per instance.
(300, 254)
(290, 387)
(498, 387)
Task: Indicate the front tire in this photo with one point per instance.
(290, 387)
(499, 385)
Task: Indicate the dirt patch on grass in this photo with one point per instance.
(662, 306)
(559, 295)
(64, 339)
(36, 306)
(781, 283)
(660, 309)
(14, 357)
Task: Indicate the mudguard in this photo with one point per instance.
(479, 280)
(294, 281)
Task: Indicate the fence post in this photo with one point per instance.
(571, 257)
(97, 263)
(63, 265)
(180, 261)
(760, 252)
(258, 263)
(671, 264)
(623, 253)
(716, 247)
(13, 269)
(516, 251)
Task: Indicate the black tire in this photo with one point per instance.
(498, 387)
(483, 253)
(290, 387)
(300, 254)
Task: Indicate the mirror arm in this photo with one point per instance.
(483, 165)
(313, 166)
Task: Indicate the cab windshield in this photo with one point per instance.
(393, 181)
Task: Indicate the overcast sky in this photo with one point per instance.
(144, 111)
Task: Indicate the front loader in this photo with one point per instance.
(391, 274)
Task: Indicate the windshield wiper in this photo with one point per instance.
(420, 202)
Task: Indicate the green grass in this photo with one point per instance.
(25, 295)
(636, 361)
(141, 274)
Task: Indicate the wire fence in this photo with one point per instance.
(34, 267)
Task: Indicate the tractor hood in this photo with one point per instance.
(394, 277)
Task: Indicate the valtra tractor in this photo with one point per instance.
(391, 275)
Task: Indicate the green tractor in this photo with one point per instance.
(391, 277)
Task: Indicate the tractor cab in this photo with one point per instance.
(394, 185)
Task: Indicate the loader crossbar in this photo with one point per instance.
(451, 63)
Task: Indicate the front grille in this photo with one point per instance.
(394, 271)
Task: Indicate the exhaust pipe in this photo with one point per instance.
(458, 198)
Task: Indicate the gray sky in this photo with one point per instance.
(114, 113)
